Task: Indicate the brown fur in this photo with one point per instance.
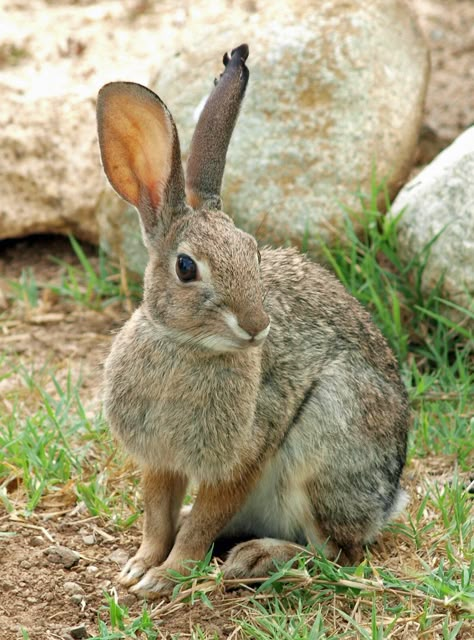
(163, 494)
(294, 437)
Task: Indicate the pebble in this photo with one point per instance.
(5, 586)
(24, 564)
(78, 632)
(92, 569)
(127, 600)
(36, 541)
(105, 585)
(77, 598)
(72, 588)
(119, 556)
(58, 554)
(87, 536)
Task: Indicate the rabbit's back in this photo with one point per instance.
(331, 396)
(323, 344)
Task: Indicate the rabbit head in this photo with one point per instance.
(202, 282)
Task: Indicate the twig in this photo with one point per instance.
(43, 530)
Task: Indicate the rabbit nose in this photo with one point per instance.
(254, 323)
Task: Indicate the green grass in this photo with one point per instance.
(94, 287)
(57, 444)
(121, 627)
(93, 284)
(54, 447)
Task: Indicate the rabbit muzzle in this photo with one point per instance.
(249, 329)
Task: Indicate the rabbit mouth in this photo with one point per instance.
(225, 342)
(235, 338)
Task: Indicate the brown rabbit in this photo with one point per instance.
(255, 376)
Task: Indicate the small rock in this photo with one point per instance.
(36, 541)
(127, 600)
(119, 556)
(32, 600)
(72, 588)
(77, 598)
(24, 564)
(78, 632)
(58, 554)
(87, 536)
(5, 586)
(92, 570)
(105, 584)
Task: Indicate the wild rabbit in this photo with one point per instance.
(255, 375)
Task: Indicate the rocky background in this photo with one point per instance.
(339, 97)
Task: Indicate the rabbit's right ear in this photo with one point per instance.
(140, 153)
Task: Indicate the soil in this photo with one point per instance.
(33, 591)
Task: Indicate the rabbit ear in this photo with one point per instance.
(206, 161)
(140, 152)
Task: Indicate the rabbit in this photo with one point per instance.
(252, 374)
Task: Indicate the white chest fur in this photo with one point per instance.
(180, 409)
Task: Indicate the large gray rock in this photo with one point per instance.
(335, 90)
(440, 202)
(49, 174)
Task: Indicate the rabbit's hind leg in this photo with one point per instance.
(259, 557)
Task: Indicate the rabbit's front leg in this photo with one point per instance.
(213, 508)
(163, 493)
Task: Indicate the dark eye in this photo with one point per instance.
(186, 268)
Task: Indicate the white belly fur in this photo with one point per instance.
(278, 507)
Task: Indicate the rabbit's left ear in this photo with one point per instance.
(206, 162)
(140, 152)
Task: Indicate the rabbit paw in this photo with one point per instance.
(154, 584)
(255, 558)
(135, 568)
(252, 559)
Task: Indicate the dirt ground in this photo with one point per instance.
(33, 589)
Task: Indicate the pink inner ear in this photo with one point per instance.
(136, 138)
(156, 191)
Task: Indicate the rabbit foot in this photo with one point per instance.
(255, 558)
(154, 584)
(135, 569)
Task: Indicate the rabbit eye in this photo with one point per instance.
(186, 268)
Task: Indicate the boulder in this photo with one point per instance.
(49, 173)
(54, 56)
(335, 90)
(439, 201)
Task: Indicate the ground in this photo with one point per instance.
(62, 480)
